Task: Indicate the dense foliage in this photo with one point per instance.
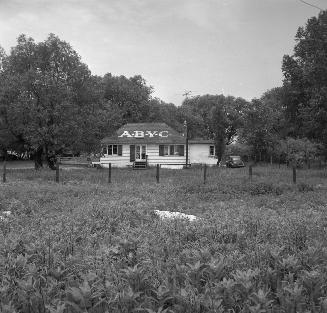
(264, 123)
(45, 98)
(49, 101)
(85, 246)
(305, 81)
(215, 117)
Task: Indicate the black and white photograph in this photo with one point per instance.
(163, 156)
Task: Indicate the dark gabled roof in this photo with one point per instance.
(153, 133)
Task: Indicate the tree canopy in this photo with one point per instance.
(45, 98)
(264, 123)
(298, 109)
(131, 96)
(215, 117)
(305, 81)
(50, 101)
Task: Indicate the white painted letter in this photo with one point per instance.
(126, 134)
(138, 134)
(151, 134)
(161, 134)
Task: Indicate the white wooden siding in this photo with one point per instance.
(154, 158)
(115, 160)
(199, 153)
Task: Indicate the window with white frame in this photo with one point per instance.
(114, 150)
(212, 151)
(170, 150)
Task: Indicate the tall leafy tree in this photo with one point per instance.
(215, 117)
(264, 123)
(48, 103)
(2, 58)
(225, 122)
(159, 111)
(305, 79)
(130, 96)
(218, 128)
(9, 136)
(3, 129)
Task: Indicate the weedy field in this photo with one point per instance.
(84, 245)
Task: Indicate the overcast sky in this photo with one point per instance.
(234, 47)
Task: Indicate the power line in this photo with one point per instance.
(311, 5)
(187, 93)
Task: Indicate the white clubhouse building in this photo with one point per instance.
(147, 144)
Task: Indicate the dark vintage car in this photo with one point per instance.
(234, 161)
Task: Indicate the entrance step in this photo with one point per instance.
(140, 165)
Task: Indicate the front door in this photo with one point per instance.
(140, 153)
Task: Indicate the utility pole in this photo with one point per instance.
(186, 94)
(186, 143)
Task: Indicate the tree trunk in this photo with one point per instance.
(38, 163)
(4, 152)
(220, 149)
(50, 158)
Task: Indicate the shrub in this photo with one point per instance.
(303, 187)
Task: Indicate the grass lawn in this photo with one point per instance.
(18, 165)
(86, 245)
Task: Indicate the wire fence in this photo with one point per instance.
(199, 174)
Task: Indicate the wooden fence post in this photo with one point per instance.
(205, 173)
(57, 170)
(294, 174)
(158, 173)
(250, 172)
(4, 177)
(109, 174)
